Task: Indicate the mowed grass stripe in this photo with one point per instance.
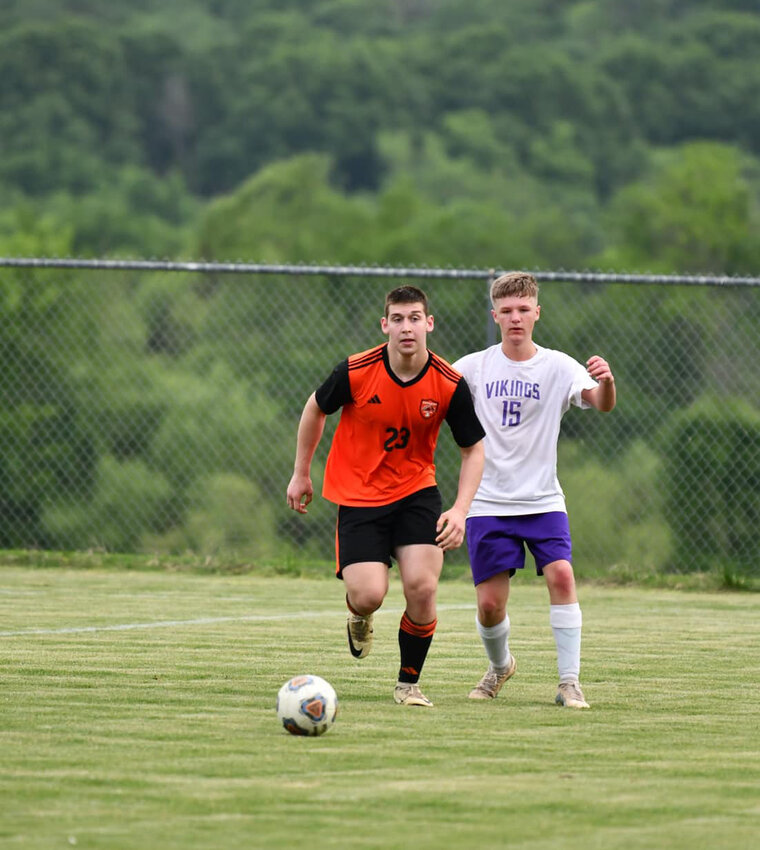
(200, 621)
(167, 737)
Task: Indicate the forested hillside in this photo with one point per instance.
(543, 133)
(157, 412)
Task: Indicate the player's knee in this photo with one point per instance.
(367, 600)
(491, 608)
(560, 578)
(421, 590)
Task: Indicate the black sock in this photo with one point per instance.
(414, 642)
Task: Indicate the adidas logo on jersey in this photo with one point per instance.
(375, 399)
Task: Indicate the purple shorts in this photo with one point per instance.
(496, 544)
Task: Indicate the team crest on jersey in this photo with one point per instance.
(428, 407)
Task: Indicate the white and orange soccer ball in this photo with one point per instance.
(307, 705)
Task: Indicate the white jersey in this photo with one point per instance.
(520, 404)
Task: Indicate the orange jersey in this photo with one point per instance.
(384, 444)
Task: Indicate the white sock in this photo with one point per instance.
(566, 622)
(496, 642)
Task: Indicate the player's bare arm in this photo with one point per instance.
(300, 489)
(451, 523)
(604, 396)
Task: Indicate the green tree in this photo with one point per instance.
(712, 480)
(696, 212)
(65, 107)
(287, 212)
(136, 214)
(45, 451)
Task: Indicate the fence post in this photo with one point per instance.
(490, 324)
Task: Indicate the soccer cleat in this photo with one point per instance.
(360, 633)
(571, 696)
(491, 683)
(410, 694)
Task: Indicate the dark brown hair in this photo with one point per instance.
(406, 295)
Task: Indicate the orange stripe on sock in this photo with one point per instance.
(411, 628)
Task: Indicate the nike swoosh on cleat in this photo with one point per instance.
(357, 653)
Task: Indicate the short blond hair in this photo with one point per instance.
(514, 285)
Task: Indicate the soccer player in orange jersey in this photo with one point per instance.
(380, 472)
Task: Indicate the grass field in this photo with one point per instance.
(137, 710)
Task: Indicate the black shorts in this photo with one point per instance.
(374, 534)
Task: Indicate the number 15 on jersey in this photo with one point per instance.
(510, 415)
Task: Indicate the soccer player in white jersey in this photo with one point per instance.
(521, 391)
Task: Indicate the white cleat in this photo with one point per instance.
(491, 683)
(571, 696)
(409, 694)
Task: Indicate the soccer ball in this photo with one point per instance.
(307, 705)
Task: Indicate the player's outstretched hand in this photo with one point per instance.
(450, 528)
(599, 369)
(300, 493)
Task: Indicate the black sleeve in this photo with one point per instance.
(335, 391)
(462, 419)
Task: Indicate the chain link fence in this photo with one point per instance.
(153, 407)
